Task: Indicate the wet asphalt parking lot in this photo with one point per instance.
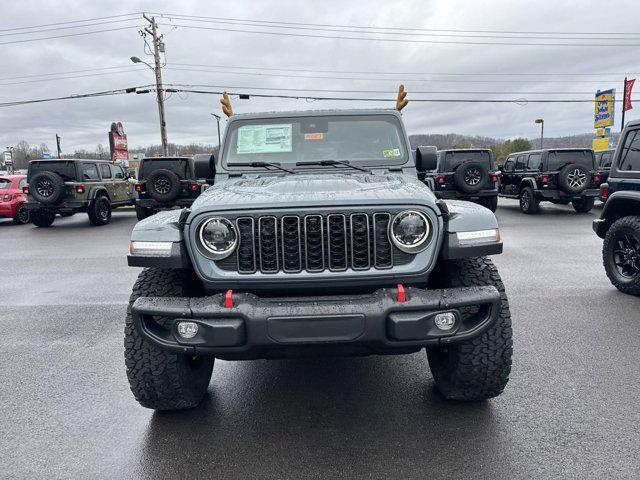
(571, 409)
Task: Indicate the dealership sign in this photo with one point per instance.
(118, 142)
(604, 108)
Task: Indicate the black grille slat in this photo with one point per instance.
(247, 248)
(382, 251)
(360, 244)
(291, 243)
(268, 244)
(314, 243)
(337, 241)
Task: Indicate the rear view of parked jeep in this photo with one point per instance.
(562, 176)
(67, 187)
(167, 182)
(466, 174)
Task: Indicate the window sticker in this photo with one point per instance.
(264, 138)
(393, 152)
(314, 136)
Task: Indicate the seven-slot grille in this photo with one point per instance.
(313, 243)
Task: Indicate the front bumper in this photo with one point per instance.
(557, 194)
(279, 327)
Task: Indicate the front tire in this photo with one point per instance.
(584, 205)
(621, 254)
(42, 218)
(100, 211)
(477, 369)
(22, 215)
(159, 379)
(529, 204)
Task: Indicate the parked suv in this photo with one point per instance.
(603, 162)
(561, 175)
(12, 198)
(69, 186)
(619, 223)
(317, 238)
(466, 174)
(167, 182)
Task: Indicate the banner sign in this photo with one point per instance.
(628, 85)
(118, 142)
(604, 108)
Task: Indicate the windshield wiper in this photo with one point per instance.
(333, 163)
(261, 164)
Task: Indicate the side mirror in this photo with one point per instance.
(426, 158)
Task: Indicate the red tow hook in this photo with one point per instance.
(401, 295)
(228, 299)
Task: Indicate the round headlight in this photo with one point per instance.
(218, 237)
(410, 231)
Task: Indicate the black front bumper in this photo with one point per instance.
(279, 327)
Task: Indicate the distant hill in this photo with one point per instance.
(451, 140)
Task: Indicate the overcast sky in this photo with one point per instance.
(83, 123)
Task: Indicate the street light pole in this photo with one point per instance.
(541, 122)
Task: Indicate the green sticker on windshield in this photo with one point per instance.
(264, 138)
(394, 152)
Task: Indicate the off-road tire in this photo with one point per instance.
(529, 204)
(159, 379)
(22, 215)
(163, 185)
(477, 369)
(99, 211)
(468, 171)
(626, 225)
(42, 218)
(144, 212)
(490, 202)
(584, 205)
(49, 182)
(567, 175)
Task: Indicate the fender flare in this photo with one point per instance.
(619, 204)
(528, 181)
(98, 190)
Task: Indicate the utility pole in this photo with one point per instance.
(159, 90)
(541, 122)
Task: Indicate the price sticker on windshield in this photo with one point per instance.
(274, 138)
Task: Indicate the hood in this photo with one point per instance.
(312, 190)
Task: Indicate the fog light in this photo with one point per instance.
(187, 329)
(445, 321)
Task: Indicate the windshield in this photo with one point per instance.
(560, 158)
(357, 139)
(5, 183)
(454, 159)
(67, 170)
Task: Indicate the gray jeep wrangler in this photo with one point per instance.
(317, 238)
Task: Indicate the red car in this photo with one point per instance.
(12, 198)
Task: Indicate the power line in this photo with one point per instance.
(70, 22)
(104, 93)
(25, 82)
(109, 22)
(36, 75)
(390, 28)
(68, 35)
(399, 40)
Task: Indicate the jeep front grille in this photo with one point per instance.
(314, 243)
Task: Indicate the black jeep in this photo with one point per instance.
(69, 186)
(619, 223)
(561, 175)
(603, 161)
(166, 182)
(465, 174)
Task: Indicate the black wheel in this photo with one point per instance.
(159, 379)
(528, 202)
(163, 185)
(584, 205)
(144, 212)
(471, 177)
(47, 188)
(621, 254)
(42, 218)
(573, 179)
(100, 211)
(477, 369)
(22, 215)
(490, 202)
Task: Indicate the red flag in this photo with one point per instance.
(628, 85)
